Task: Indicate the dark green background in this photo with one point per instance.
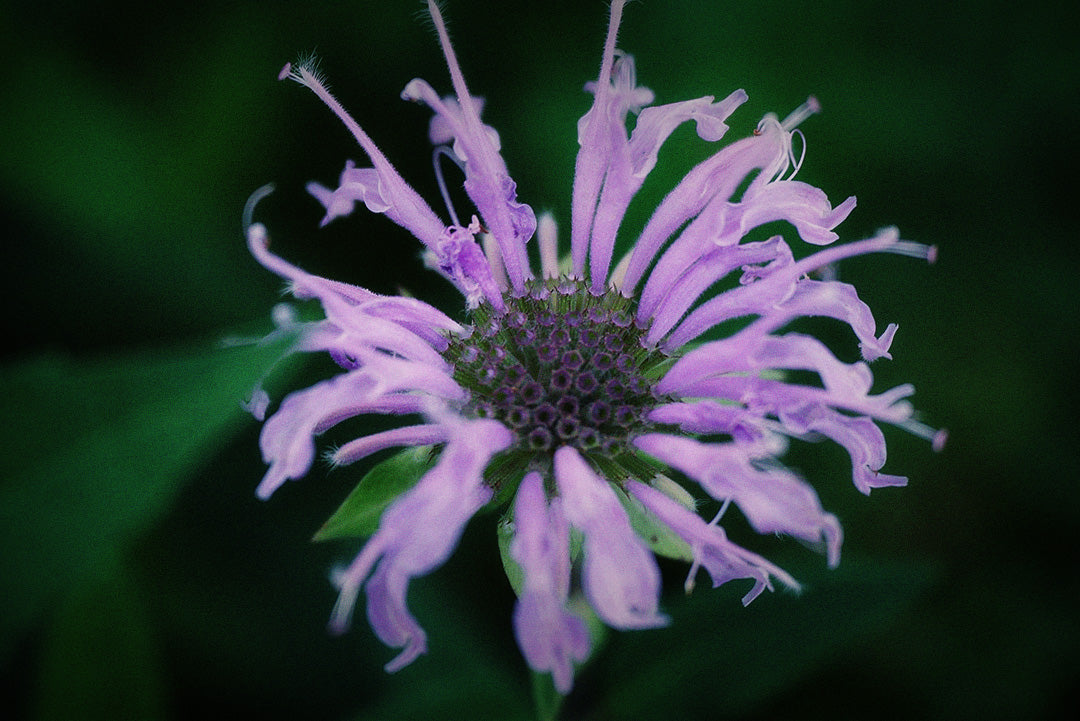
(140, 577)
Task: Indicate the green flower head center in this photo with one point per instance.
(560, 367)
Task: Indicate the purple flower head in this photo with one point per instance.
(581, 401)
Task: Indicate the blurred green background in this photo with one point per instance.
(140, 577)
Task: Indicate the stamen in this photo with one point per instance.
(801, 113)
(914, 250)
(688, 585)
(690, 582)
(252, 201)
(886, 241)
(937, 436)
(796, 164)
(443, 151)
(720, 513)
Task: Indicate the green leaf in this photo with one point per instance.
(95, 450)
(98, 660)
(99, 448)
(660, 538)
(359, 514)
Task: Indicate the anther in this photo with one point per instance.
(801, 113)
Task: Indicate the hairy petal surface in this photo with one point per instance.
(621, 578)
(774, 500)
(550, 636)
(717, 177)
(418, 532)
(724, 560)
(381, 188)
(487, 180)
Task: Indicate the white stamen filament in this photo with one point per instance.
(936, 436)
(796, 164)
(439, 152)
(913, 250)
(252, 201)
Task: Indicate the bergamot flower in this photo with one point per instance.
(588, 402)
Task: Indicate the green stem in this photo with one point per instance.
(548, 701)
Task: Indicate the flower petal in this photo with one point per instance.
(803, 205)
(611, 166)
(715, 177)
(677, 282)
(621, 578)
(551, 637)
(724, 560)
(487, 181)
(418, 532)
(860, 436)
(390, 195)
(459, 258)
(774, 500)
(778, 282)
(752, 352)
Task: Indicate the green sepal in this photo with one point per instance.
(359, 515)
(660, 538)
(504, 474)
(514, 574)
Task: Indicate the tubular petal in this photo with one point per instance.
(417, 533)
(551, 638)
(622, 580)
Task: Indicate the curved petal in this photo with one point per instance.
(621, 578)
(551, 638)
(724, 560)
(765, 395)
(774, 500)
(835, 300)
(671, 291)
(859, 436)
(390, 194)
(716, 177)
(487, 181)
(761, 290)
(355, 184)
(753, 352)
(418, 532)
(801, 204)
(287, 440)
(419, 435)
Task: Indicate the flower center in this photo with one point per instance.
(560, 367)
